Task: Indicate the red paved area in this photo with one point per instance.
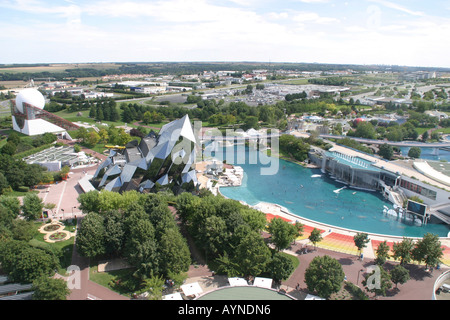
(419, 287)
(65, 194)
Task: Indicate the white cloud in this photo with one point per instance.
(398, 7)
(278, 16)
(312, 17)
(313, 1)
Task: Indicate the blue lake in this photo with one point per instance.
(294, 188)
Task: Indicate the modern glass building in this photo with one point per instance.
(164, 160)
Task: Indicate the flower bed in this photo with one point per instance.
(52, 227)
(58, 236)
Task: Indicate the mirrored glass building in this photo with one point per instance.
(159, 161)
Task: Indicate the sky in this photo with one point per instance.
(403, 32)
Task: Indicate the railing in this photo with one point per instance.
(43, 114)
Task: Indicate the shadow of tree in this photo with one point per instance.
(346, 261)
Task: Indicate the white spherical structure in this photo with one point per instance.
(30, 96)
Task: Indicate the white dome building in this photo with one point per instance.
(30, 96)
(30, 118)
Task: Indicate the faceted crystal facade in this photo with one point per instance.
(164, 160)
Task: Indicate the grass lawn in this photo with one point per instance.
(62, 249)
(444, 130)
(294, 259)
(421, 131)
(111, 279)
(296, 81)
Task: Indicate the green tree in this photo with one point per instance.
(91, 237)
(32, 207)
(114, 233)
(89, 201)
(226, 265)
(414, 152)
(45, 288)
(361, 240)
(324, 276)
(403, 250)
(33, 174)
(173, 247)
(103, 133)
(365, 130)
(141, 246)
(213, 235)
(252, 255)
(81, 134)
(399, 275)
(11, 204)
(294, 147)
(315, 236)
(282, 232)
(250, 122)
(147, 117)
(23, 230)
(428, 250)
(9, 148)
(382, 253)
(24, 263)
(154, 285)
(280, 267)
(386, 151)
(254, 218)
(3, 183)
(92, 138)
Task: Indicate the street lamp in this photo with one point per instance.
(62, 213)
(72, 210)
(357, 280)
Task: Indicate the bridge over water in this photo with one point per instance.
(438, 145)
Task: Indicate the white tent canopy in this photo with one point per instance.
(237, 282)
(312, 297)
(191, 289)
(263, 282)
(173, 296)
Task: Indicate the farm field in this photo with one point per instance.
(59, 67)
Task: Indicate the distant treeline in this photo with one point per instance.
(332, 81)
(24, 65)
(179, 68)
(57, 76)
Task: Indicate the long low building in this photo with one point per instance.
(396, 180)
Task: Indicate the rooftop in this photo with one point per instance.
(62, 154)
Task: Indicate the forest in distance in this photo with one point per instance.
(84, 70)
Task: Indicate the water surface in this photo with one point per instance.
(318, 199)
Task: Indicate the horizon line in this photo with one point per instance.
(229, 62)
